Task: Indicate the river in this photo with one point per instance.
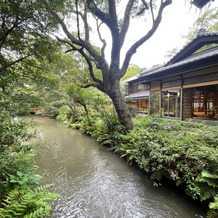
(96, 183)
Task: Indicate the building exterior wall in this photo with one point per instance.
(215, 100)
(155, 86)
(181, 90)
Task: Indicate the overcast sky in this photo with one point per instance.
(177, 18)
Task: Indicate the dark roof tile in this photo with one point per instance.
(186, 56)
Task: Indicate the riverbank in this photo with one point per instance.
(96, 182)
(184, 152)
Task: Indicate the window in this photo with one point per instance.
(140, 87)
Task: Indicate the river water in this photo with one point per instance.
(96, 183)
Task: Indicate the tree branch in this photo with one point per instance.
(12, 63)
(152, 12)
(101, 39)
(110, 20)
(77, 21)
(98, 58)
(91, 71)
(126, 22)
(80, 50)
(97, 12)
(15, 25)
(137, 44)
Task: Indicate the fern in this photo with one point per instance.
(32, 204)
(214, 205)
(41, 212)
(209, 178)
(212, 214)
(198, 190)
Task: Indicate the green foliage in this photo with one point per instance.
(104, 125)
(31, 204)
(107, 130)
(131, 71)
(214, 205)
(213, 213)
(18, 197)
(64, 113)
(185, 152)
(25, 180)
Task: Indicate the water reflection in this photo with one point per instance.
(95, 183)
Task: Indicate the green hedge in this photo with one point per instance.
(185, 152)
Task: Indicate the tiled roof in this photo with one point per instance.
(140, 94)
(195, 57)
(186, 56)
(147, 72)
(202, 38)
(130, 78)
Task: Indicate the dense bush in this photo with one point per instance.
(185, 152)
(19, 194)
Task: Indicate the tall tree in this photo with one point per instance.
(113, 17)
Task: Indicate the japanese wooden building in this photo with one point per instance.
(184, 88)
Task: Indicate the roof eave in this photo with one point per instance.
(179, 70)
(193, 46)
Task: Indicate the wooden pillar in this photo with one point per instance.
(187, 104)
(215, 99)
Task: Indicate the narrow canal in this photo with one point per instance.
(96, 183)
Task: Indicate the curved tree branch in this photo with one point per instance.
(152, 12)
(77, 21)
(126, 22)
(97, 12)
(12, 63)
(101, 39)
(137, 44)
(74, 41)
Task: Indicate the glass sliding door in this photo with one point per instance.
(170, 103)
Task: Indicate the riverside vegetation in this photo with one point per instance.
(185, 153)
(182, 152)
(20, 194)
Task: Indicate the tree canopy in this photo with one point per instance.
(97, 30)
(24, 41)
(84, 22)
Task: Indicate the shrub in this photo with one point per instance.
(19, 195)
(185, 152)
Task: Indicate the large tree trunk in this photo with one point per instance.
(106, 13)
(120, 105)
